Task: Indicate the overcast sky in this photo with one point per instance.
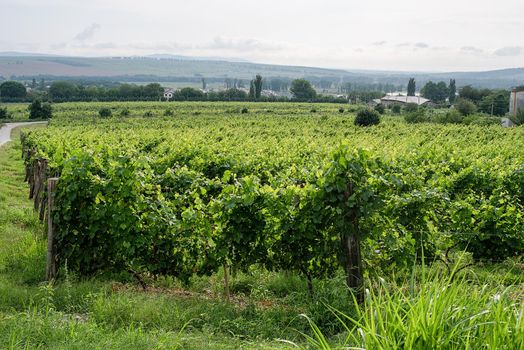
(442, 35)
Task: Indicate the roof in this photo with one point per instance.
(518, 89)
(406, 99)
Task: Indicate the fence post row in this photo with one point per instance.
(51, 263)
(36, 175)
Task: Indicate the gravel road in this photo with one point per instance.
(5, 131)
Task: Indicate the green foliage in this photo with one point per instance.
(380, 108)
(169, 113)
(496, 103)
(124, 112)
(39, 110)
(422, 315)
(367, 117)
(473, 94)
(12, 90)
(411, 87)
(341, 110)
(452, 116)
(518, 119)
(4, 114)
(479, 304)
(302, 90)
(63, 91)
(184, 196)
(465, 107)
(410, 107)
(396, 108)
(452, 91)
(436, 92)
(105, 112)
(244, 110)
(188, 94)
(416, 117)
(251, 93)
(257, 83)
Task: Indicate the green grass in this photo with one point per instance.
(481, 308)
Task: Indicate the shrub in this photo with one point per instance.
(380, 108)
(39, 110)
(481, 120)
(395, 108)
(4, 114)
(367, 117)
(518, 119)
(168, 113)
(451, 117)
(105, 112)
(465, 107)
(124, 112)
(244, 110)
(313, 110)
(411, 107)
(416, 117)
(341, 110)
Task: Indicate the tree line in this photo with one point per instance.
(66, 91)
(490, 101)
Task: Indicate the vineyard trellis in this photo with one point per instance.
(186, 196)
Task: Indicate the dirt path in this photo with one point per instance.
(5, 131)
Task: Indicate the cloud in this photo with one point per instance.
(421, 45)
(88, 32)
(380, 43)
(471, 49)
(509, 51)
(220, 43)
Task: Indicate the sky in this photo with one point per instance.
(403, 35)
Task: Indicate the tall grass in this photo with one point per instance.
(429, 311)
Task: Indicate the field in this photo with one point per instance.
(219, 225)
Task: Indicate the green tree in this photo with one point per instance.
(258, 86)
(411, 87)
(367, 117)
(452, 91)
(252, 90)
(12, 90)
(188, 94)
(4, 114)
(473, 94)
(302, 90)
(435, 92)
(465, 107)
(39, 110)
(497, 103)
(63, 91)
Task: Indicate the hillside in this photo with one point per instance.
(180, 68)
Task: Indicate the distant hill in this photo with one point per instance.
(162, 67)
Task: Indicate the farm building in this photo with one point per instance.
(390, 100)
(516, 100)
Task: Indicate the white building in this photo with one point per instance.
(516, 100)
(390, 100)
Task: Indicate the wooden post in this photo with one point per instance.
(226, 283)
(51, 267)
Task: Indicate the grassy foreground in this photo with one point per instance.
(482, 308)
